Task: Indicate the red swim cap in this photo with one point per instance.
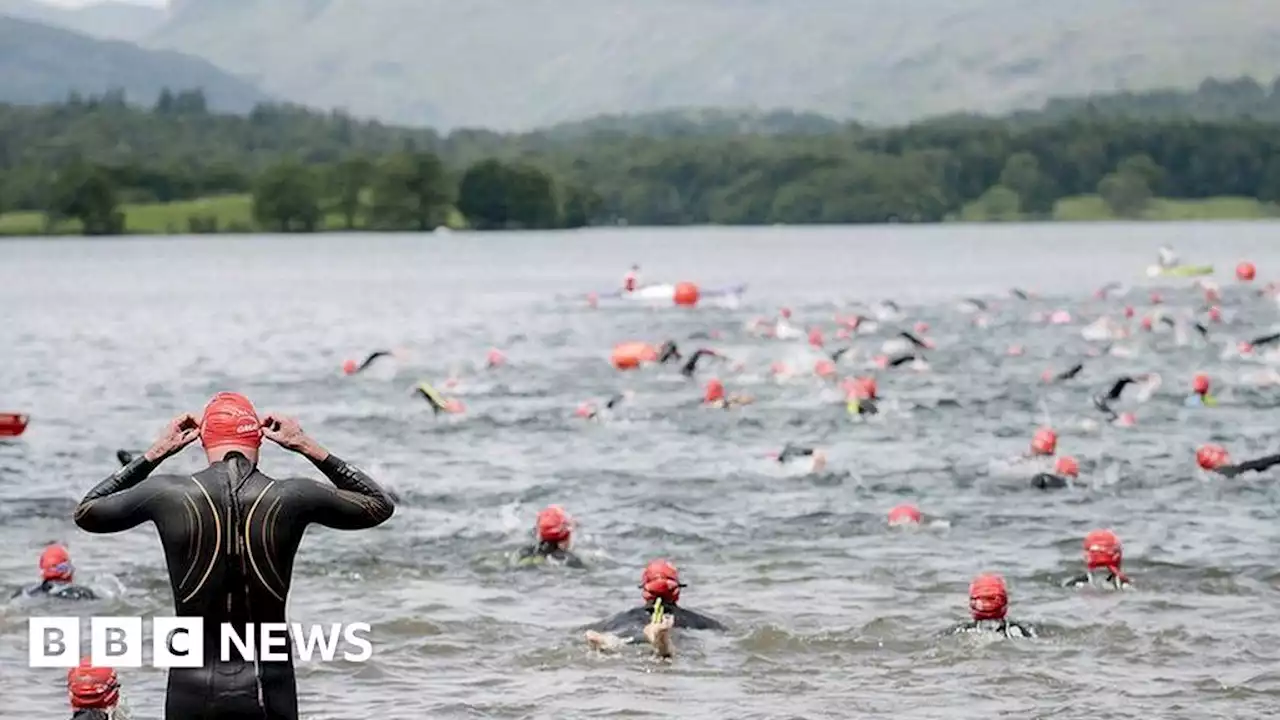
(1212, 457)
(815, 337)
(1246, 271)
(1067, 465)
(1102, 550)
(988, 598)
(906, 514)
(349, 367)
(495, 358)
(229, 419)
(93, 687)
(661, 579)
(1200, 384)
(714, 392)
(785, 312)
(824, 368)
(863, 388)
(554, 525)
(1215, 313)
(1044, 442)
(55, 564)
(921, 327)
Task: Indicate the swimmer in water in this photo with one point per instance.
(631, 281)
(94, 692)
(554, 531)
(1247, 348)
(1102, 401)
(861, 396)
(1200, 396)
(1102, 551)
(817, 458)
(1068, 374)
(669, 352)
(652, 622)
(989, 605)
(57, 576)
(691, 366)
(439, 403)
(350, 367)
(714, 397)
(1215, 458)
(125, 456)
(1065, 470)
(230, 535)
(1020, 294)
(589, 411)
(1175, 326)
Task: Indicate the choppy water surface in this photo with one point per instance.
(833, 614)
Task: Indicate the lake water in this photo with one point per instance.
(832, 614)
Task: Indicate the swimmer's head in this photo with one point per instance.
(495, 358)
(1102, 550)
(1156, 298)
(815, 337)
(1200, 384)
(349, 367)
(824, 368)
(661, 580)
(1215, 314)
(785, 313)
(1147, 323)
(593, 300)
(554, 526)
(905, 514)
(55, 564)
(585, 410)
(230, 423)
(93, 688)
(988, 598)
(714, 391)
(1066, 466)
(1126, 419)
(1245, 271)
(1128, 311)
(1044, 442)
(1212, 457)
(1245, 348)
(863, 388)
(921, 327)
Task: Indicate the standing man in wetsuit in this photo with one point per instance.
(230, 534)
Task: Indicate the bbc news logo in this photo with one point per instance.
(178, 642)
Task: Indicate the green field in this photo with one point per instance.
(1091, 208)
(226, 213)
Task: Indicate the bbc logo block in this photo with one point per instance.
(55, 642)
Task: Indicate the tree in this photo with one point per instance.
(581, 207)
(1126, 194)
(286, 199)
(484, 196)
(86, 193)
(345, 187)
(1022, 175)
(1144, 167)
(411, 191)
(1000, 203)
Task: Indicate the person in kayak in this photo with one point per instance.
(631, 281)
(989, 607)
(553, 531)
(1065, 471)
(1102, 551)
(714, 396)
(230, 535)
(1200, 396)
(1215, 458)
(439, 403)
(653, 621)
(792, 453)
(94, 692)
(57, 578)
(351, 368)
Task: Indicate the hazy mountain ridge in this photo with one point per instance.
(41, 64)
(108, 20)
(502, 64)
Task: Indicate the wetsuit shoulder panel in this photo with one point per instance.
(353, 502)
(693, 620)
(123, 500)
(629, 623)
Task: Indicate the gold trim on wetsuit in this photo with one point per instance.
(248, 543)
(191, 509)
(217, 526)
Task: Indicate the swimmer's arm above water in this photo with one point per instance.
(1259, 465)
(121, 501)
(355, 502)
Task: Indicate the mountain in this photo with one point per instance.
(516, 64)
(107, 20)
(40, 64)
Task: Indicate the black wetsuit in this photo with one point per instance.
(1069, 373)
(668, 352)
(1007, 628)
(691, 366)
(914, 340)
(1259, 465)
(372, 357)
(1050, 481)
(90, 714)
(838, 353)
(1113, 581)
(549, 552)
(611, 404)
(1103, 401)
(1204, 331)
(630, 625)
(1264, 340)
(1020, 294)
(794, 451)
(900, 360)
(230, 534)
(57, 589)
(125, 457)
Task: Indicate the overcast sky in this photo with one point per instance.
(76, 3)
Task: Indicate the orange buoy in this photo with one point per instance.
(12, 424)
(686, 294)
(629, 355)
(1245, 271)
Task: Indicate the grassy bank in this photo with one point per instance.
(221, 214)
(234, 214)
(1091, 208)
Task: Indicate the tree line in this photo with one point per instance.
(85, 157)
